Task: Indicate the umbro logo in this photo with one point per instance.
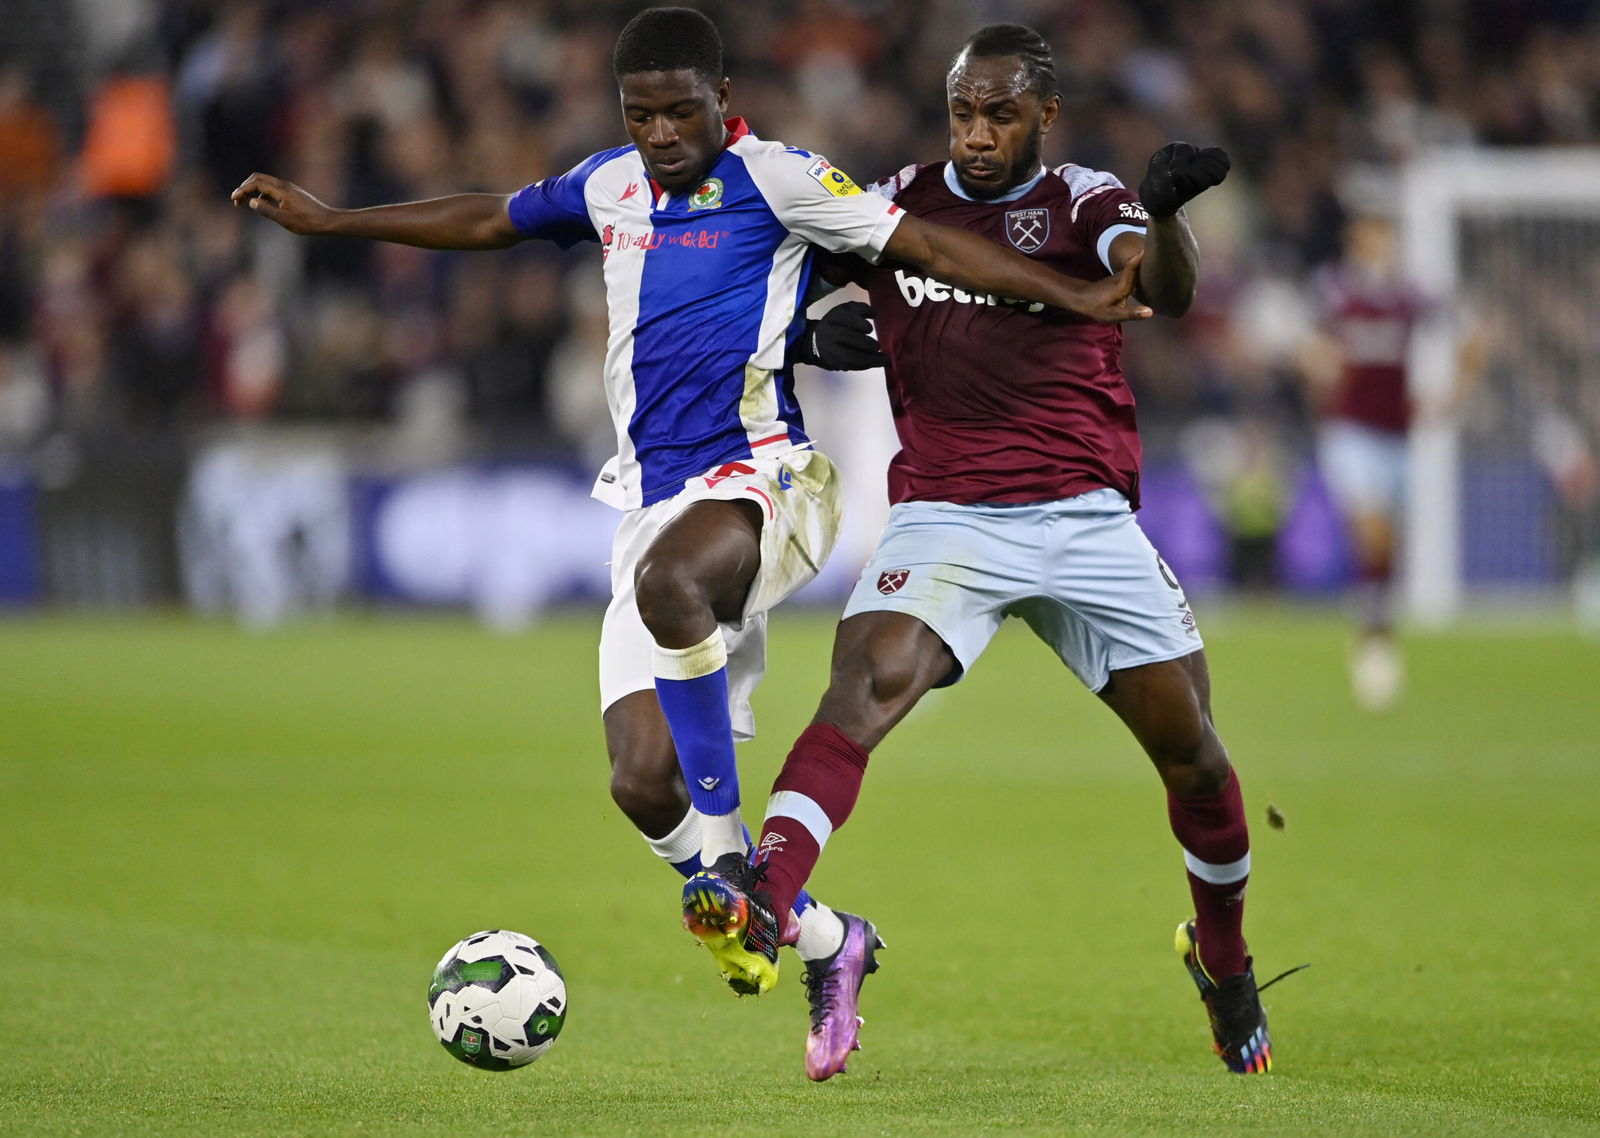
(633, 188)
(709, 783)
(771, 840)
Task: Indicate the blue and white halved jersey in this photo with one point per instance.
(704, 292)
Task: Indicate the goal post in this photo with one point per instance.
(1506, 239)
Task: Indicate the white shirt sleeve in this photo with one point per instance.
(818, 202)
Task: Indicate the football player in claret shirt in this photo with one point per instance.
(1368, 314)
(1013, 495)
(707, 234)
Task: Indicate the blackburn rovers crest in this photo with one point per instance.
(1028, 228)
(708, 195)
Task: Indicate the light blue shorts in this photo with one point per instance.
(1364, 468)
(1080, 572)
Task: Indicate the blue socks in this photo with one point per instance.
(692, 685)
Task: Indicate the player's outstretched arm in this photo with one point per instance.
(460, 221)
(964, 259)
(1177, 174)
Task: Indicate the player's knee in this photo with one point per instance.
(872, 671)
(1192, 762)
(668, 596)
(864, 697)
(890, 679)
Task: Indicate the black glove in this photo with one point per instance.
(841, 341)
(1179, 173)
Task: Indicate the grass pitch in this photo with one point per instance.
(231, 861)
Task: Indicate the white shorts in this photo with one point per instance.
(1364, 468)
(800, 493)
(1080, 572)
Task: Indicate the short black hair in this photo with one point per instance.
(1013, 39)
(669, 39)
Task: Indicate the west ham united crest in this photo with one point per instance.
(891, 581)
(1028, 228)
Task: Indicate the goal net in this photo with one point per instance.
(1505, 501)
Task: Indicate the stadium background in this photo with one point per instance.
(194, 405)
(230, 859)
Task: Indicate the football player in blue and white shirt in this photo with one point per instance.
(707, 234)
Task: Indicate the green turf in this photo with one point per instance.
(231, 860)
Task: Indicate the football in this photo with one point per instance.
(497, 1000)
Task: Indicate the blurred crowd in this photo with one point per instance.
(132, 296)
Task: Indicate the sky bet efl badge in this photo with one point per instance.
(708, 195)
(1028, 228)
(836, 182)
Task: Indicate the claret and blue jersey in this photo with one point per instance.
(704, 291)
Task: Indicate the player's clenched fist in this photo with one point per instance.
(1113, 298)
(1178, 173)
(283, 202)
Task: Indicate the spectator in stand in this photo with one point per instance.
(381, 102)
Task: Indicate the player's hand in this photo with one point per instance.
(841, 341)
(1179, 173)
(1110, 301)
(283, 202)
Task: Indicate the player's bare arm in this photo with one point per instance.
(459, 221)
(969, 261)
(1177, 174)
(1169, 265)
